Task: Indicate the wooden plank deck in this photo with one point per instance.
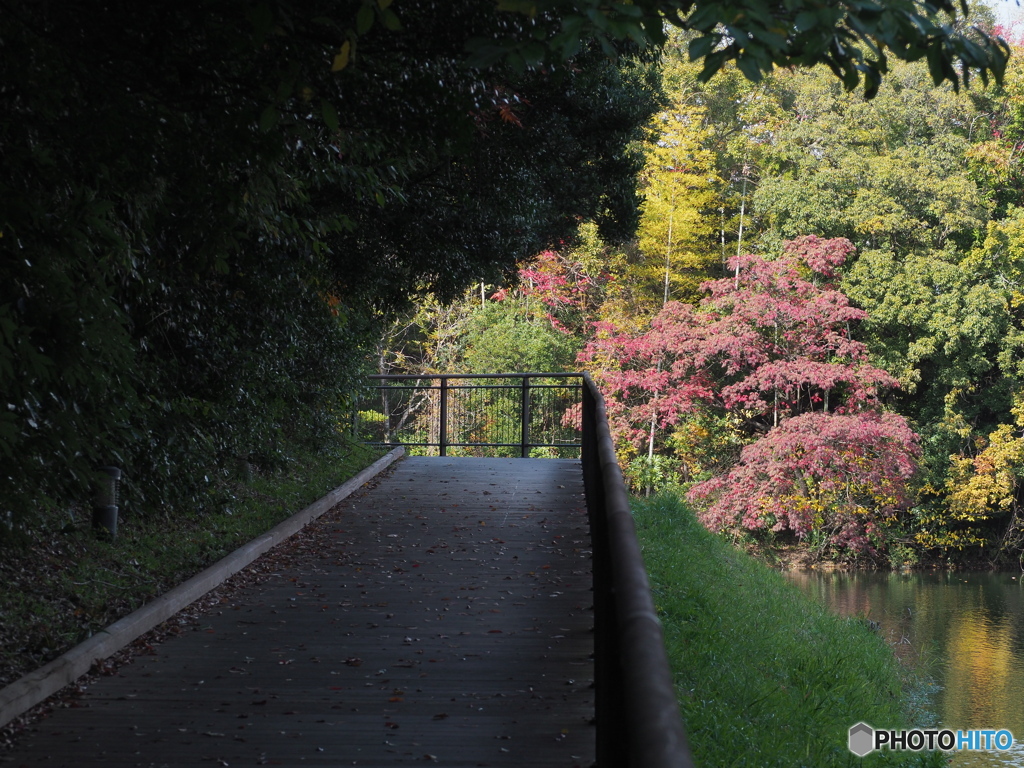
(446, 620)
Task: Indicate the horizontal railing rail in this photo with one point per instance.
(531, 413)
(637, 715)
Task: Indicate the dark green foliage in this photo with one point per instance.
(207, 211)
(509, 164)
(854, 39)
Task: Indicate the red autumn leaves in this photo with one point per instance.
(772, 349)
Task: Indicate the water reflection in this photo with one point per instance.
(965, 631)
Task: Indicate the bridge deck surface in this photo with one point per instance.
(444, 617)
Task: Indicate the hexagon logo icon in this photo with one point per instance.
(862, 739)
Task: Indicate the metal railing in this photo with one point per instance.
(637, 717)
(518, 414)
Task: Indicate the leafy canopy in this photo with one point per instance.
(854, 38)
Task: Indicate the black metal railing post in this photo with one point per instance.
(442, 432)
(524, 416)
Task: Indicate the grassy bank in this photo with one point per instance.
(765, 676)
(64, 583)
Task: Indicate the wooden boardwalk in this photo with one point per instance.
(447, 619)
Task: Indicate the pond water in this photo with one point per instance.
(965, 631)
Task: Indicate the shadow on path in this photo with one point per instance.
(446, 618)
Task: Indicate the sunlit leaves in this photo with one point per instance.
(886, 172)
(678, 212)
(331, 120)
(981, 505)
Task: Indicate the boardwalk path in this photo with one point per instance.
(446, 620)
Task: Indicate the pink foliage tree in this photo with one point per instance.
(841, 476)
(562, 286)
(772, 348)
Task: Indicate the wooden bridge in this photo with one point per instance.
(465, 611)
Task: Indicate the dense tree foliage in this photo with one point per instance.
(924, 181)
(676, 236)
(853, 38)
(207, 211)
(769, 354)
(537, 323)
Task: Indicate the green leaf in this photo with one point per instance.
(702, 46)
(598, 19)
(533, 53)
(706, 17)
(330, 115)
(364, 19)
(749, 67)
(712, 63)
(391, 21)
(772, 39)
(269, 119)
(806, 20)
(935, 64)
(516, 62)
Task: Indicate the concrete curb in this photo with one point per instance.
(25, 693)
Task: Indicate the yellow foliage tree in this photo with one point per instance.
(983, 488)
(677, 223)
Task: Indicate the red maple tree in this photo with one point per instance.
(771, 347)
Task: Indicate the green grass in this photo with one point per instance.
(765, 676)
(67, 582)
